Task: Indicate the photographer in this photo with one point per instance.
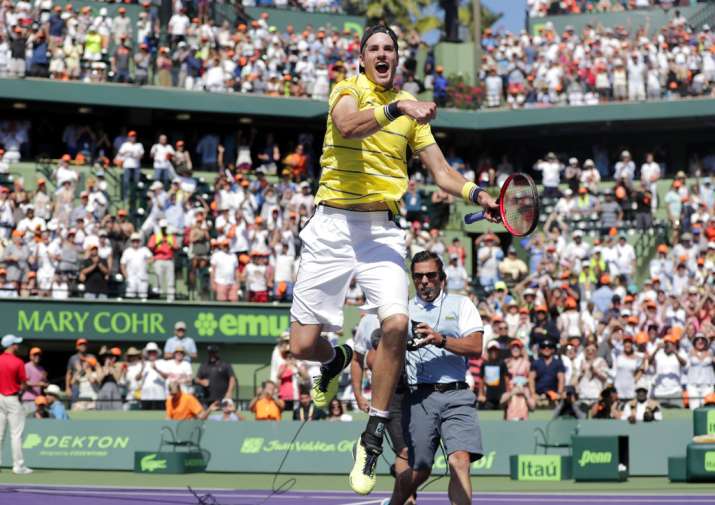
(228, 411)
(266, 405)
(641, 408)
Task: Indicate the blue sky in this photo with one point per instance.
(513, 10)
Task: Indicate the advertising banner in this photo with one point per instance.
(130, 321)
(321, 447)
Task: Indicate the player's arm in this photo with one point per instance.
(454, 183)
(353, 123)
(356, 375)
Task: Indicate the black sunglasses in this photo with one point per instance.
(431, 276)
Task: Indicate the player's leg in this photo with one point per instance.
(381, 275)
(326, 267)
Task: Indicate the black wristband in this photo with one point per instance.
(474, 194)
(392, 112)
(442, 343)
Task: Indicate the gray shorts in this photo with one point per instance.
(450, 416)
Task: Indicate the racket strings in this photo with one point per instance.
(520, 206)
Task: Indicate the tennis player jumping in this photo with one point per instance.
(352, 233)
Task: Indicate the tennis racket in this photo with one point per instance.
(518, 206)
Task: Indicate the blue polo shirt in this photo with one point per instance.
(546, 374)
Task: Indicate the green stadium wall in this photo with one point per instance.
(320, 448)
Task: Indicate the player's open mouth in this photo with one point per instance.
(382, 67)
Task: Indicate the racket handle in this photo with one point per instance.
(473, 217)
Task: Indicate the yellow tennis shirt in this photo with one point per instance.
(373, 169)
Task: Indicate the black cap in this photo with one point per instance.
(212, 348)
(548, 343)
(369, 32)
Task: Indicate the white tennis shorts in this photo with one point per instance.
(339, 245)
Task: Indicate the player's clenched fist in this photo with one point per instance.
(422, 112)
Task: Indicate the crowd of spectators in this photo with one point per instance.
(541, 8)
(195, 53)
(597, 65)
(200, 53)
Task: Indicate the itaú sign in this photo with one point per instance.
(249, 323)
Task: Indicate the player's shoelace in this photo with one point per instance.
(322, 381)
(371, 459)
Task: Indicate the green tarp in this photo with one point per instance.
(320, 448)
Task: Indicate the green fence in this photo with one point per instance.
(321, 447)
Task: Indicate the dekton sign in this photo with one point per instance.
(42, 319)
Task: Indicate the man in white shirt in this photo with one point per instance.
(650, 174)
(625, 257)
(162, 153)
(551, 174)
(30, 224)
(457, 278)
(178, 24)
(64, 172)
(285, 273)
(224, 273)
(625, 169)
(134, 265)
(489, 254)
(130, 156)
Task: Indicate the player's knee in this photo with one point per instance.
(459, 461)
(394, 326)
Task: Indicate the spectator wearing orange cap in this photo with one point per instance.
(602, 297)
(489, 255)
(569, 321)
(121, 26)
(130, 155)
(673, 203)
(64, 172)
(74, 366)
(18, 48)
(669, 364)
(36, 378)
(701, 376)
(86, 380)
(681, 277)
(544, 327)
(41, 200)
(661, 266)
(111, 373)
(16, 259)
(225, 278)
(38, 407)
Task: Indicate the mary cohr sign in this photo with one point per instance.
(49, 320)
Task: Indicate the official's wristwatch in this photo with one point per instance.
(442, 343)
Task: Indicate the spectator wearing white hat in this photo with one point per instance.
(134, 266)
(590, 177)
(12, 380)
(179, 370)
(57, 409)
(179, 339)
(457, 277)
(129, 157)
(225, 277)
(625, 168)
(153, 379)
(162, 153)
(551, 174)
(164, 245)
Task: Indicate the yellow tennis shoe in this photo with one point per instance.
(362, 477)
(325, 385)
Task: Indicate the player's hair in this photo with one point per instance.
(424, 256)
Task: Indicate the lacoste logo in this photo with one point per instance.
(149, 463)
(206, 324)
